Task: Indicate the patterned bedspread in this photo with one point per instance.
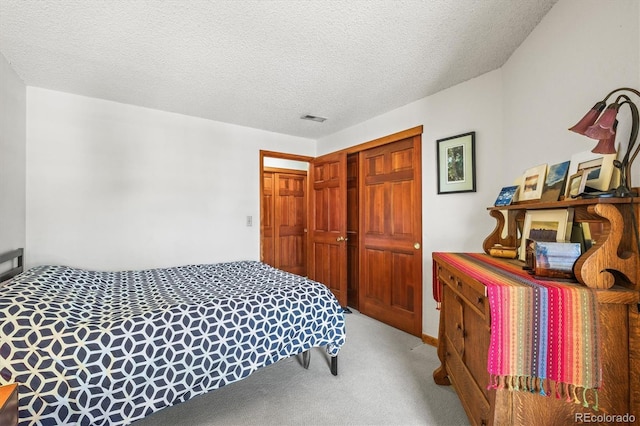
(107, 348)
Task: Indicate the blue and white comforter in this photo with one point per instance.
(107, 348)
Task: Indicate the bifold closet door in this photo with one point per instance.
(391, 234)
(328, 223)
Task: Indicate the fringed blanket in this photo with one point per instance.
(544, 334)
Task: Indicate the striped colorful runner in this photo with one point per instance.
(544, 334)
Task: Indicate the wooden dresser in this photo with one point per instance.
(9, 405)
(465, 321)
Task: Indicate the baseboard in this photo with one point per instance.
(430, 340)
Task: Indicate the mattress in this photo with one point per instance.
(107, 348)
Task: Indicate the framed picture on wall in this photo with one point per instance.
(456, 163)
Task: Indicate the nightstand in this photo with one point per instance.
(9, 405)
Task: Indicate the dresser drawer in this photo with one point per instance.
(454, 321)
(474, 293)
(472, 397)
(9, 405)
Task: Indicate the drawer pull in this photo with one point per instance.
(480, 300)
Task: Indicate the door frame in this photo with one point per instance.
(284, 156)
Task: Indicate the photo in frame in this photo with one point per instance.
(601, 170)
(575, 185)
(554, 184)
(533, 183)
(506, 195)
(546, 225)
(456, 167)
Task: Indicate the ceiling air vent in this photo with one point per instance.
(313, 118)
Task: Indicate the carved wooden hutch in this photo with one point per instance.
(610, 267)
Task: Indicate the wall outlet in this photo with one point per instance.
(249, 220)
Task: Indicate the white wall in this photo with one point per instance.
(579, 52)
(13, 101)
(113, 186)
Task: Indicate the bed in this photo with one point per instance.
(107, 348)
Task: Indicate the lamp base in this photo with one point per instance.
(623, 192)
(597, 194)
(619, 192)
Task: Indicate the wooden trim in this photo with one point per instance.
(432, 341)
(287, 171)
(405, 134)
(283, 155)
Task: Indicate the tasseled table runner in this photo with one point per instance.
(544, 334)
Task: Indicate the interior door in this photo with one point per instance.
(291, 222)
(284, 220)
(391, 234)
(267, 205)
(328, 223)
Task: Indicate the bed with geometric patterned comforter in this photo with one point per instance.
(107, 348)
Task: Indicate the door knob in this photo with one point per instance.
(340, 239)
(416, 246)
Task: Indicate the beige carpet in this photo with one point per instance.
(384, 378)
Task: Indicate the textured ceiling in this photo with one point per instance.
(263, 64)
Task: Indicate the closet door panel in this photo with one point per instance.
(328, 223)
(391, 234)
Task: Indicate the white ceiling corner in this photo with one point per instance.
(263, 63)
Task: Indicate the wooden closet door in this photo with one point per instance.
(328, 223)
(391, 234)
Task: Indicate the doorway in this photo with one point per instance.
(364, 218)
(283, 211)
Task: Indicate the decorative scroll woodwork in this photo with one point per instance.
(613, 259)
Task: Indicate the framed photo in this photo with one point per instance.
(546, 225)
(600, 169)
(575, 185)
(456, 163)
(533, 183)
(506, 195)
(554, 184)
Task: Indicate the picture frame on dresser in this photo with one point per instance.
(601, 176)
(575, 185)
(533, 183)
(506, 195)
(554, 184)
(456, 169)
(546, 225)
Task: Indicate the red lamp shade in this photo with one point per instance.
(603, 128)
(607, 146)
(589, 118)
